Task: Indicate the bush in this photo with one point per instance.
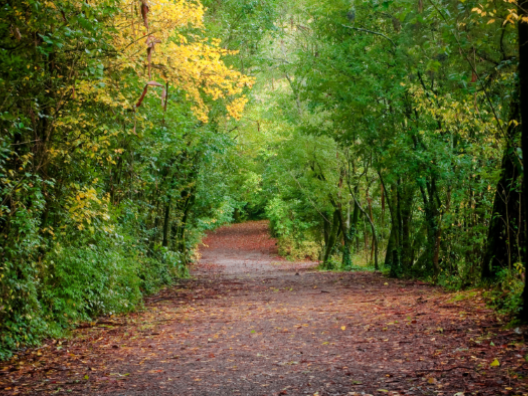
(296, 237)
(506, 294)
(161, 269)
(77, 282)
(85, 282)
(299, 250)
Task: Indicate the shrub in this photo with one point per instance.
(506, 294)
(79, 281)
(299, 250)
(85, 282)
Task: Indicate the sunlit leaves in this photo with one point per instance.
(149, 44)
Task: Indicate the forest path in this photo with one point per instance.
(250, 323)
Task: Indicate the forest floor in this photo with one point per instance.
(251, 323)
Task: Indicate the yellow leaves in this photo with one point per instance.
(236, 107)
(495, 363)
(85, 206)
(512, 17)
(514, 123)
(191, 63)
(48, 230)
(460, 116)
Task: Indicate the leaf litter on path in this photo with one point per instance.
(247, 326)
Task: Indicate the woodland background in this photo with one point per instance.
(372, 134)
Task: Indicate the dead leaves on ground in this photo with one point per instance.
(277, 334)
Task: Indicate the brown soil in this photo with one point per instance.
(251, 323)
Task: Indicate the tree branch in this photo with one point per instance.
(371, 32)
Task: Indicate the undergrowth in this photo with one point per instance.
(358, 263)
(505, 294)
(298, 250)
(80, 281)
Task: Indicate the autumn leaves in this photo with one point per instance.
(150, 42)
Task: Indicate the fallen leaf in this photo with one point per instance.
(495, 363)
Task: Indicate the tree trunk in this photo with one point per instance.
(504, 217)
(390, 247)
(406, 218)
(392, 256)
(432, 219)
(348, 236)
(394, 205)
(523, 77)
(331, 240)
(166, 224)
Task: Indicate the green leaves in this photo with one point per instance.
(85, 183)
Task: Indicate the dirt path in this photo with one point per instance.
(251, 323)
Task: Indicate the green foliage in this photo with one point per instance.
(377, 135)
(299, 249)
(296, 239)
(390, 130)
(506, 293)
(85, 282)
(103, 199)
(284, 220)
(160, 270)
(81, 279)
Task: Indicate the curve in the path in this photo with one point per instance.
(244, 248)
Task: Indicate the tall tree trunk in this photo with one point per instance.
(166, 224)
(504, 220)
(348, 235)
(392, 256)
(432, 219)
(185, 206)
(329, 248)
(406, 218)
(394, 205)
(523, 76)
(390, 247)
